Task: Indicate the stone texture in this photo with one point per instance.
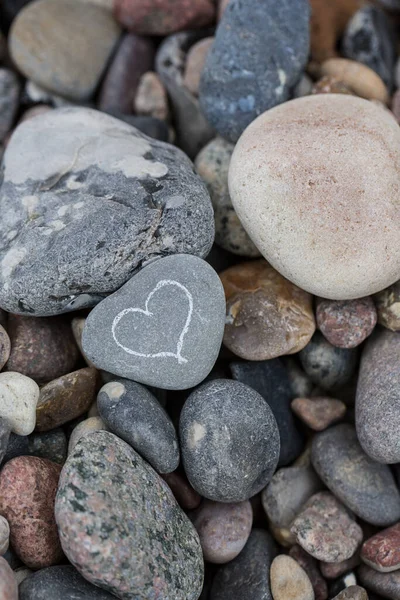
(63, 46)
(163, 328)
(50, 444)
(258, 55)
(120, 526)
(353, 592)
(301, 384)
(329, 85)
(195, 61)
(104, 208)
(18, 399)
(21, 574)
(5, 430)
(386, 585)
(28, 487)
(64, 582)
(319, 412)
(229, 441)
(382, 550)
(5, 347)
(347, 323)
(359, 78)
(83, 428)
(150, 126)
(310, 566)
(274, 165)
(151, 97)
(8, 583)
(184, 494)
(334, 570)
(289, 581)
(388, 306)
(10, 89)
(4, 535)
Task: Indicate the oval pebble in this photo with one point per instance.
(385, 585)
(318, 413)
(4, 535)
(382, 550)
(8, 583)
(84, 428)
(346, 323)
(5, 347)
(18, 399)
(64, 582)
(362, 80)
(311, 567)
(289, 581)
(184, 494)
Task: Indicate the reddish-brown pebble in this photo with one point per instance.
(310, 565)
(5, 347)
(346, 323)
(330, 85)
(334, 570)
(28, 486)
(8, 583)
(388, 307)
(151, 97)
(382, 551)
(184, 494)
(195, 61)
(318, 413)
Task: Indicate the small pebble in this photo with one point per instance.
(4, 535)
(359, 78)
(388, 306)
(5, 430)
(19, 396)
(151, 98)
(330, 85)
(335, 570)
(289, 581)
(385, 585)
(347, 323)
(49, 444)
(77, 325)
(85, 428)
(195, 61)
(10, 89)
(310, 566)
(20, 575)
(64, 582)
(353, 592)
(8, 583)
(318, 413)
(342, 583)
(300, 383)
(382, 551)
(184, 494)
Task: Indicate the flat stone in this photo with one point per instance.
(120, 525)
(346, 323)
(84, 428)
(18, 399)
(151, 98)
(386, 585)
(162, 328)
(10, 89)
(258, 55)
(184, 494)
(310, 566)
(335, 570)
(229, 441)
(104, 208)
(289, 581)
(63, 46)
(353, 592)
(5, 430)
(28, 487)
(4, 535)
(131, 412)
(64, 582)
(319, 412)
(8, 583)
(325, 529)
(387, 304)
(195, 62)
(382, 550)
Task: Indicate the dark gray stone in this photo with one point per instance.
(131, 412)
(386, 585)
(52, 445)
(162, 328)
(247, 576)
(60, 583)
(5, 431)
(98, 201)
(10, 89)
(154, 128)
(258, 56)
(229, 441)
(363, 485)
(121, 527)
(18, 445)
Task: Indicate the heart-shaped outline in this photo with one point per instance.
(148, 313)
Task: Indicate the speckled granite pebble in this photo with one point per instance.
(346, 323)
(8, 583)
(64, 582)
(289, 581)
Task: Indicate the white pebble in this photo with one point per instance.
(19, 396)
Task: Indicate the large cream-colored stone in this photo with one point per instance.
(316, 184)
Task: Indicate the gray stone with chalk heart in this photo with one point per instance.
(164, 327)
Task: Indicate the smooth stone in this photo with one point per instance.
(386, 585)
(328, 23)
(229, 441)
(63, 46)
(353, 592)
(131, 412)
(327, 366)
(151, 99)
(185, 495)
(4, 535)
(49, 444)
(8, 583)
(41, 348)
(195, 61)
(10, 89)
(18, 399)
(378, 397)
(65, 398)
(310, 566)
(5, 347)
(359, 78)
(319, 413)
(342, 583)
(5, 431)
(85, 428)
(325, 529)
(289, 581)
(257, 57)
(275, 164)
(163, 328)
(387, 304)
(64, 582)
(153, 128)
(247, 576)
(270, 378)
(303, 87)
(77, 326)
(330, 85)
(347, 323)
(301, 384)
(365, 486)
(335, 570)
(223, 529)
(21, 574)
(28, 486)
(192, 128)
(382, 550)
(212, 164)
(120, 525)
(18, 445)
(104, 208)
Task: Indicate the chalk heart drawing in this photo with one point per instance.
(146, 312)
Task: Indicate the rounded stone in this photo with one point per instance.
(335, 570)
(223, 529)
(229, 441)
(385, 585)
(352, 592)
(5, 430)
(311, 567)
(8, 583)
(50, 444)
(359, 78)
(387, 304)
(195, 61)
(18, 399)
(382, 551)
(5, 347)
(4, 535)
(28, 487)
(299, 210)
(329, 85)
(120, 525)
(84, 428)
(151, 98)
(346, 323)
(289, 581)
(184, 494)
(64, 582)
(10, 89)
(318, 413)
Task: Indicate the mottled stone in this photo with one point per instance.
(8, 583)
(131, 412)
(346, 323)
(325, 529)
(360, 79)
(386, 585)
(184, 494)
(5, 347)
(5, 430)
(85, 428)
(289, 581)
(4, 535)
(310, 566)
(9, 100)
(41, 348)
(18, 399)
(50, 444)
(28, 487)
(334, 570)
(319, 412)
(388, 304)
(151, 97)
(65, 398)
(382, 550)
(195, 61)
(120, 525)
(64, 582)
(353, 592)
(258, 55)
(229, 441)
(329, 85)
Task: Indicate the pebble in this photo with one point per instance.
(131, 412)
(185, 495)
(302, 243)
(310, 566)
(10, 89)
(319, 413)
(329, 85)
(387, 304)
(300, 383)
(353, 592)
(365, 486)
(120, 525)
(223, 529)
(303, 87)
(229, 441)
(151, 98)
(212, 164)
(258, 55)
(63, 45)
(5, 347)
(18, 399)
(64, 582)
(50, 444)
(386, 585)
(266, 315)
(378, 395)
(28, 486)
(5, 431)
(18, 445)
(104, 209)
(325, 529)
(77, 325)
(334, 570)
(41, 348)
(8, 583)
(341, 584)
(150, 126)
(382, 550)
(21, 574)
(65, 398)
(85, 427)
(289, 581)
(359, 78)
(162, 328)
(328, 366)
(195, 61)
(4, 535)
(347, 323)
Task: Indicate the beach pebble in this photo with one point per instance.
(195, 61)
(310, 566)
(347, 323)
(4, 535)
(229, 441)
(319, 413)
(5, 430)
(289, 581)
(10, 89)
(49, 444)
(329, 85)
(77, 325)
(382, 551)
(385, 585)
(301, 384)
(301, 239)
(162, 328)
(387, 304)
(84, 428)
(359, 78)
(28, 486)
(223, 529)
(131, 412)
(151, 98)
(328, 23)
(335, 570)
(185, 495)
(18, 399)
(8, 583)
(104, 208)
(353, 592)
(120, 525)
(21, 574)
(64, 582)
(5, 347)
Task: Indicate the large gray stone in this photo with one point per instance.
(63, 583)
